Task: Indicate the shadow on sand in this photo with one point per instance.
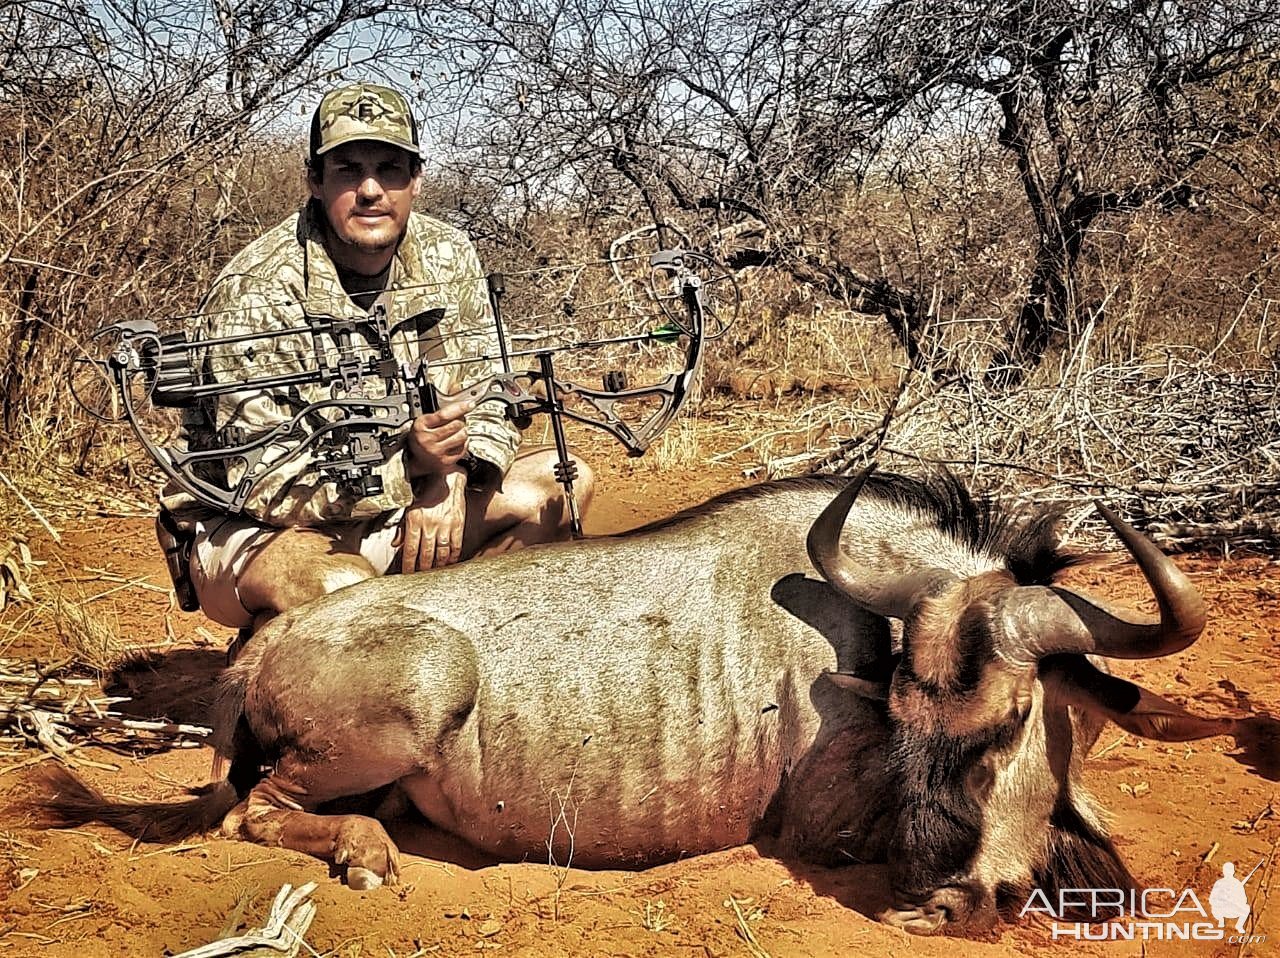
(1258, 740)
(177, 685)
(860, 888)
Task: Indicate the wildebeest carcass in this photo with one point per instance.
(690, 687)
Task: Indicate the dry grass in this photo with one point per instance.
(563, 809)
(17, 862)
(16, 566)
(89, 636)
(745, 914)
(1259, 902)
(679, 446)
(655, 917)
(1184, 441)
(82, 626)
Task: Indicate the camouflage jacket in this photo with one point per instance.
(269, 285)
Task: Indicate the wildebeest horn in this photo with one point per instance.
(1057, 620)
(883, 593)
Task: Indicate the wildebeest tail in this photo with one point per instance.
(64, 799)
(67, 800)
(232, 740)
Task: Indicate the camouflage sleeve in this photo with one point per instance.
(491, 435)
(296, 493)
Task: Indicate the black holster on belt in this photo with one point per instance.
(176, 546)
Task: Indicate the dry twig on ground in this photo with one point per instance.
(57, 713)
(291, 915)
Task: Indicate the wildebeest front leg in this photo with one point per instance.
(277, 813)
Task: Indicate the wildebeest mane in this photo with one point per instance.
(1026, 541)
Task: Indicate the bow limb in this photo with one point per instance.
(671, 391)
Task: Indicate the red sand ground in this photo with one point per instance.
(94, 894)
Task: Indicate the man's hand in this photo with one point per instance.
(437, 440)
(430, 533)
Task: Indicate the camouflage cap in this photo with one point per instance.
(363, 111)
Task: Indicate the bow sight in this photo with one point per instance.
(374, 394)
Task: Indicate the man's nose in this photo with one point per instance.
(370, 188)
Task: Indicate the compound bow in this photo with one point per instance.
(358, 432)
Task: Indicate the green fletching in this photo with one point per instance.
(667, 333)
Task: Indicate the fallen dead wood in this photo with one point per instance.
(58, 713)
(1195, 534)
(291, 915)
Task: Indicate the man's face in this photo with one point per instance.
(367, 192)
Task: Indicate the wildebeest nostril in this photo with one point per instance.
(951, 903)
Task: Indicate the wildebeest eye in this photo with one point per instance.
(980, 779)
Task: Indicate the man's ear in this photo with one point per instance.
(417, 183)
(313, 181)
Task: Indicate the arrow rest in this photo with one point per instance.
(170, 374)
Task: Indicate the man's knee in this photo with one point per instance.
(283, 580)
(338, 572)
(542, 492)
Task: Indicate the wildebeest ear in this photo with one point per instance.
(877, 691)
(1077, 682)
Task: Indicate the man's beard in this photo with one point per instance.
(364, 246)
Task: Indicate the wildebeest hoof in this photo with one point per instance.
(362, 879)
(364, 846)
(230, 826)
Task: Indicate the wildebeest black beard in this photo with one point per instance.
(1077, 856)
(939, 827)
